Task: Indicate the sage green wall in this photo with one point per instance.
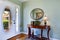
(16, 2)
(50, 7)
(21, 13)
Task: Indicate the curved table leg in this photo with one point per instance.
(29, 32)
(48, 33)
(41, 33)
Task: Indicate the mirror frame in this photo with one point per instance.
(7, 10)
(37, 9)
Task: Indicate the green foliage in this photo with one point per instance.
(5, 24)
(36, 22)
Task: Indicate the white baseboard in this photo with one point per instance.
(50, 38)
(27, 33)
(24, 32)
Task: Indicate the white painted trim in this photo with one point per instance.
(17, 19)
(27, 33)
(23, 33)
(50, 38)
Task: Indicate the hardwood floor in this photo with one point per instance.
(25, 37)
(19, 36)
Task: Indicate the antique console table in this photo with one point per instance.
(42, 27)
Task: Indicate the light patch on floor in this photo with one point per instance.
(53, 39)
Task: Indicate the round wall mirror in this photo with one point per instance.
(37, 13)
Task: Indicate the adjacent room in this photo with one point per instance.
(29, 19)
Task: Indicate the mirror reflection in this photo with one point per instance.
(6, 19)
(37, 13)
